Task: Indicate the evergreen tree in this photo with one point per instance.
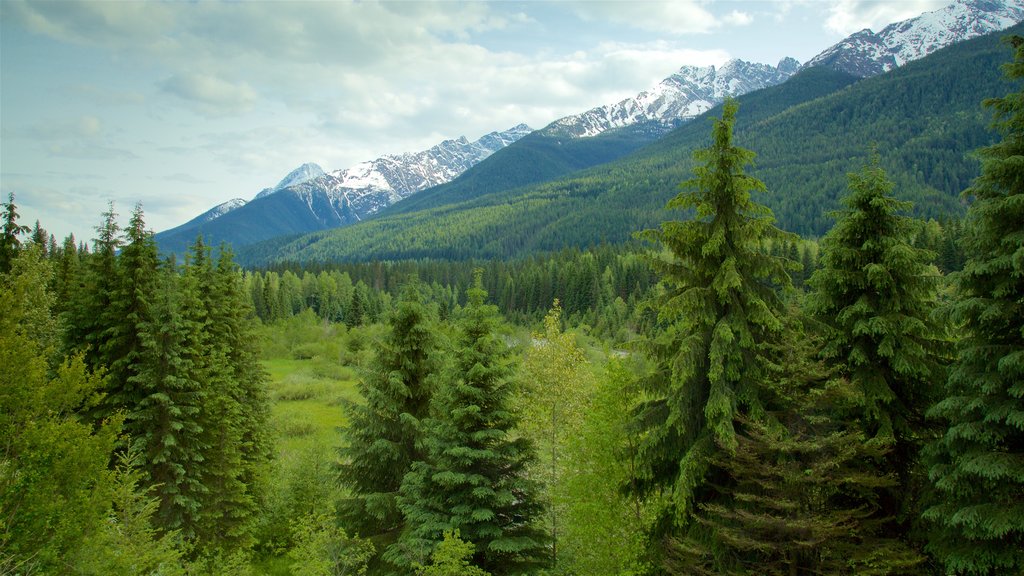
(802, 491)
(234, 412)
(717, 305)
(383, 437)
(9, 242)
(171, 382)
(121, 322)
(977, 466)
(473, 477)
(88, 313)
(876, 292)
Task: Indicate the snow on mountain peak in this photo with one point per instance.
(303, 173)
(866, 53)
(689, 92)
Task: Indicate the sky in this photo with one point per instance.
(181, 105)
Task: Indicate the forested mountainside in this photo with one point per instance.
(924, 119)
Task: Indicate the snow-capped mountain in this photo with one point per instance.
(307, 171)
(367, 187)
(867, 53)
(689, 92)
(309, 199)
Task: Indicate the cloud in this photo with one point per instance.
(212, 94)
(849, 16)
(680, 17)
(86, 126)
(738, 18)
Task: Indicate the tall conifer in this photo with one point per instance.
(717, 304)
(383, 437)
(472, 477)
(876, 293)
(977, 466)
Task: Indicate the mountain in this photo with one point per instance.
(307, 171)
(689, 92)
(868, 54)
(605, 133)
(308, 199)
(924, 119)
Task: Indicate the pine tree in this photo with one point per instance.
(170, 379)
(977, 466)
(877, 292)
(9, 242)
(383, 435)
(473, 477)
(235, 410)
(121, 322)
(802, 491)
(717, 304)
(87, 314)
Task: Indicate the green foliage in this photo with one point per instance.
(384, 435)
(877, 293)
(323, 549)
(977, 468)
(717, 306)
(801, 491)
(126, 543)
(603, 529)
(557, 387)
(451, 558)
(53, 467)
(473, 474)
(9, 242)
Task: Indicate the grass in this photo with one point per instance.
(306, 396)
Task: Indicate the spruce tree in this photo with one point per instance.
(473, 476)
(129, 309)
(977, 466)
(9, 242)
(717, 304)
(876, 293)
(383, 436)
(801, 496)
(167, 418)
(234, 412)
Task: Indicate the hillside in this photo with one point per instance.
(925, 118)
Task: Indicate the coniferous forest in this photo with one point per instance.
(719, 396)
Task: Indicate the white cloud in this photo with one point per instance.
(849, 16)
(213, 95)
(678, 17)
(737, 18)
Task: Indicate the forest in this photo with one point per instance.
(720, 396)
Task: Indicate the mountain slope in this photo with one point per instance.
(307, 199)
(868, 54)
(603, 134)
(925, 119)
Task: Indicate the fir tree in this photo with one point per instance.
(473, 477)
(876, 292)
(977, 466)
(9, 242)
(234, 410)
(121, 322)
(383, 437)
(717, 304)
(170, 379)
(802, 491)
